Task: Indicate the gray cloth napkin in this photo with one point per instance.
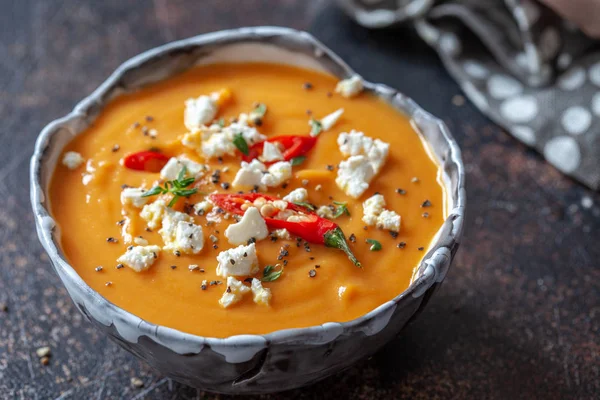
(528, 70)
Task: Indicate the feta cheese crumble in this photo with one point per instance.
(153, 213)
(256, 173)
(296, 196)
(271, 153)
(220, 142)
(261, 295)
(356, 143)
(175, 164)
(199, 111)
(389, 220)
(239, 261)
(179, 233)
(372, 207)
(350, 87)
(375, 214)
(203, 207)
(133, 196)
(234, 292)
(354, 176)
(326, 212)
(282, 234)
(139, 258)
(252, 225)
(72, 160)
(328, 121)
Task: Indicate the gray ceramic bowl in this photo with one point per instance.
(280, 360)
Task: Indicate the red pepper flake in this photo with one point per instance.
(149, 161)
(312, 273)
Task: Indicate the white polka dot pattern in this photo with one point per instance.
(563, 152)
(519, 109)
(572, 79)
(524, 134)
(576, 120)
(503, 86)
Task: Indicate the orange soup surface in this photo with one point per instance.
(307, 283)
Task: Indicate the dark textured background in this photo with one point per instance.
(518, 315)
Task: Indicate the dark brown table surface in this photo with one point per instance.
(517, 317)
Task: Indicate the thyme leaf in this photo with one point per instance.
(240, 143)
(270, 274)
(176, 187)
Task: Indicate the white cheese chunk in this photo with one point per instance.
(325, 212)
(256, 174)
(261, 294)
(188, 238)
(282, 234)
(356, 143)
(175, 164)
(233, 293)
(239, 261)
(220, 143)
(72, 160)
(277, 174)
(140, 241)
(372, 207)
(139, 258)
(153, 213)
(133, 196)
(388, 220)
(199, 112)
(328, 121)
(252, 225)
(171, 231)
(350, 87)
(354, 175)
(375, 214)
(271, 153)
(249, 174)
(296, 196)
(203, 207)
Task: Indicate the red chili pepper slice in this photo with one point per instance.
(293, 146)
(149, 161)
(315, 230)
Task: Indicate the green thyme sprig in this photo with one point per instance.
(176, 187)
(270, 274)
(340, 209)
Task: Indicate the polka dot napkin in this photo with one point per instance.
(519, 63)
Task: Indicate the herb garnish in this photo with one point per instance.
(315, 127)
(341, 209)
(305, 204)
(297, 160)
(375, 245)
(259, 111)
(270, 274)
(176, 187)
(240, 143)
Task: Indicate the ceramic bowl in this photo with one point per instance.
(279, 360)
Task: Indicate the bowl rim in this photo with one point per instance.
(45, 224)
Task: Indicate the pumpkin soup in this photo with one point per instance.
(247, 198)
